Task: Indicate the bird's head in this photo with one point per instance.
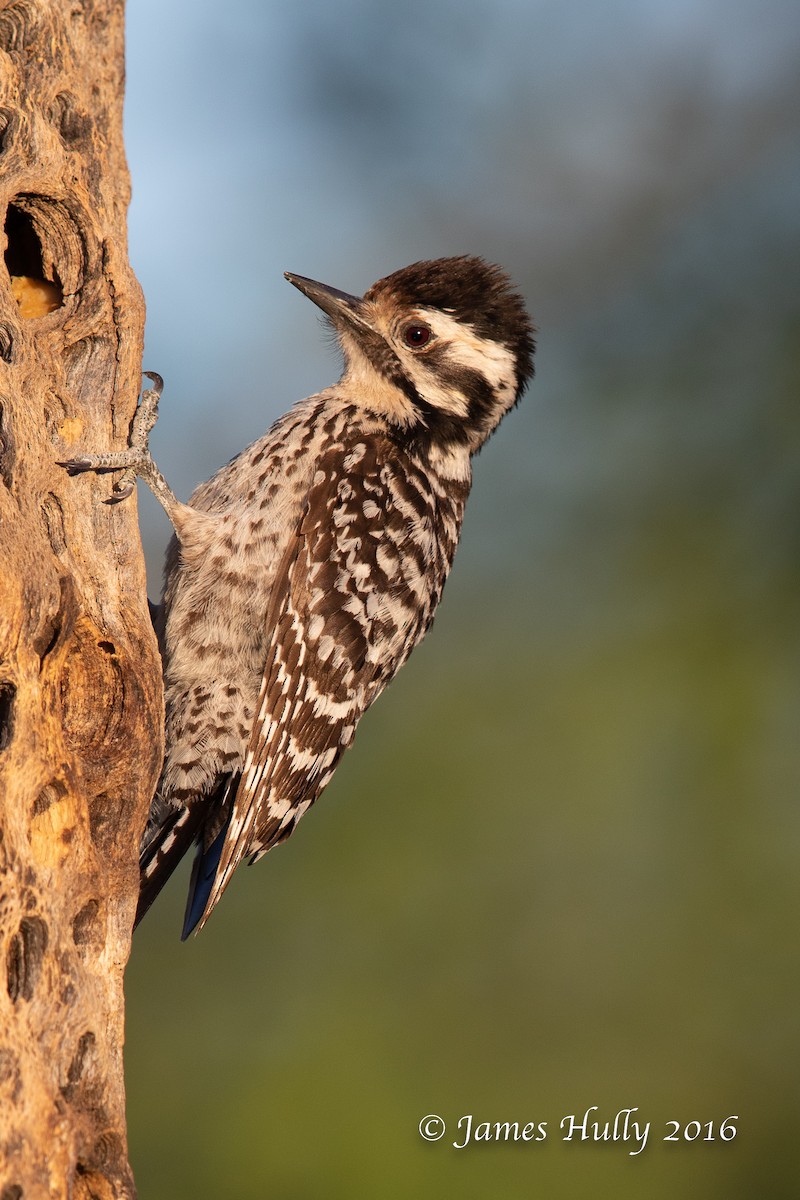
(443, 348)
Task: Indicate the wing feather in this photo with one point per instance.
(350, 601)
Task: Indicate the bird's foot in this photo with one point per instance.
(136, 460)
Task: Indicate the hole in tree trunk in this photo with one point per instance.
(6, 345)
(8, 452)
(24, 958)
(50, 794)
(73, 125)
(8, 694)
(7, 122)
(34, 293)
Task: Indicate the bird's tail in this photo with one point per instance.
(203, 874)
(163, 846)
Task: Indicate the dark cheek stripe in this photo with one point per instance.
(476, 391)
(436, 425)
(384, 359)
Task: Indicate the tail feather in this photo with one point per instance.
(164, 850)
(203, 874)
(169, 835)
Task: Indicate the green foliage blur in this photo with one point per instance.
(559, 869)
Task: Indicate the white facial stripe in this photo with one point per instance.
(447, 399)
(378, 391)
(467, 349)
(463, 348)
(493, 360)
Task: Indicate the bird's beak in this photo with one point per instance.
(339, 306)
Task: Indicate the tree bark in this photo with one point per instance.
(80, 679)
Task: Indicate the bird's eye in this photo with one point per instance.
(417, 336)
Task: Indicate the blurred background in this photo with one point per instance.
(560, 867)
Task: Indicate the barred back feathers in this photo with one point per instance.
(306, 570)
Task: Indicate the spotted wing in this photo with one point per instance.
(356, 590)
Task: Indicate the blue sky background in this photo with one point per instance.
(559, 867)
(586, 147)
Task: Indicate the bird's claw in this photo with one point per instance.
(131, 461)
(76, 466)
(123, 487)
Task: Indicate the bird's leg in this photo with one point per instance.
(136, 460)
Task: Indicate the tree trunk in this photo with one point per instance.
(80, 680)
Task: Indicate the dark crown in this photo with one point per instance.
(477, 293)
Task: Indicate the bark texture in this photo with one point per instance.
(80, 680)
